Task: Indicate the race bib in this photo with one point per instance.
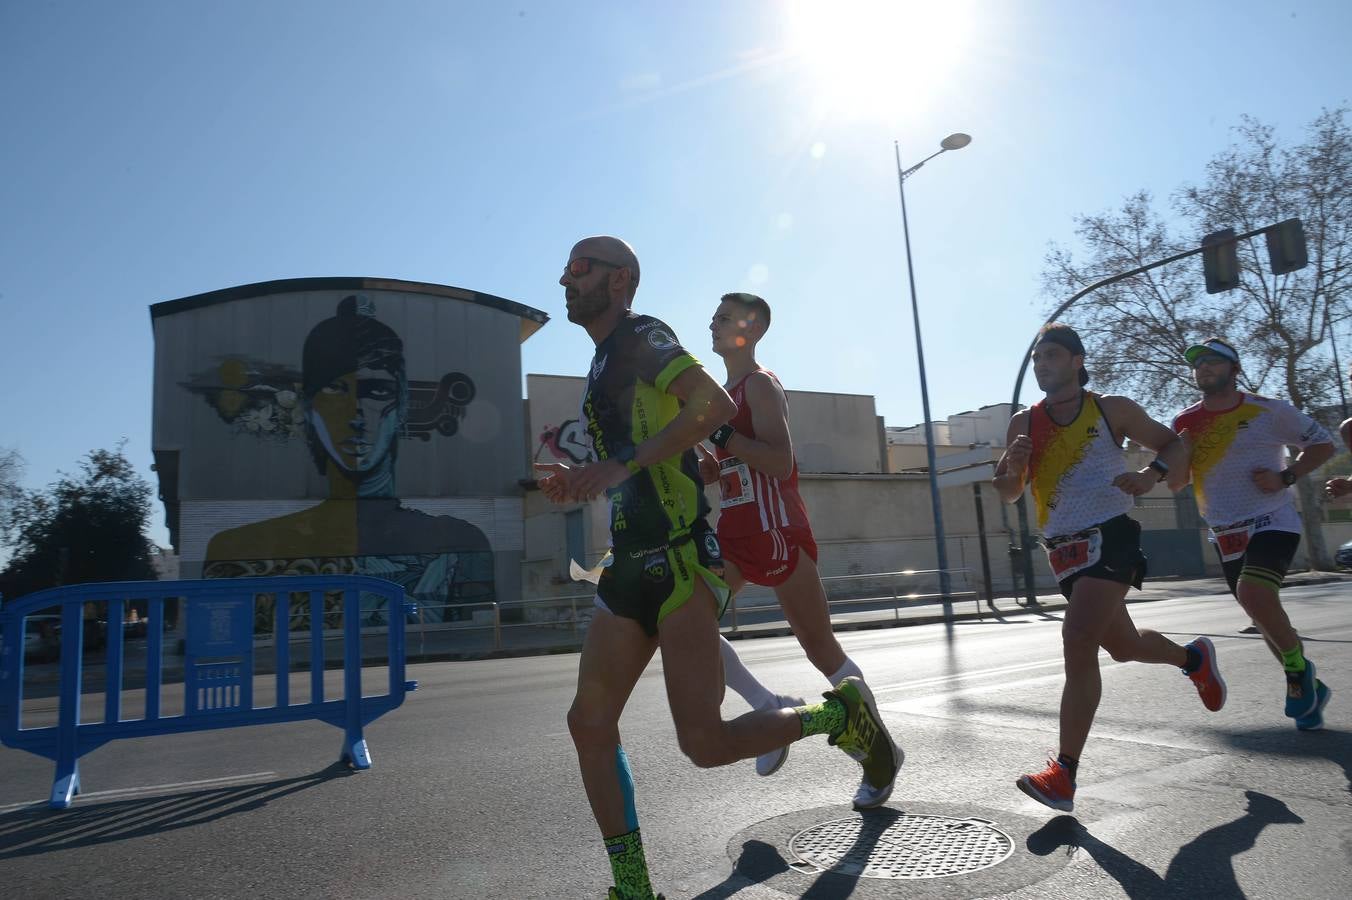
(1233, 540)
(734, 483)
(1074, 552)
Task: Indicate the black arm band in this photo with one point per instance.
(721, 436)
(1159, 466)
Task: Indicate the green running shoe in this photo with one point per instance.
(866, 740)
(615, 895)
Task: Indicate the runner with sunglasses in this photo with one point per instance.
(646, 403)
(1068, 448)
(763, 527)
(1243, 481)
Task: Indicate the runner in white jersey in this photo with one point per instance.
(1242, 481)
(1068, 448)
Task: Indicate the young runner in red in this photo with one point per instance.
(763, 528)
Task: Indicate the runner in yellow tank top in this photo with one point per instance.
(1068, 448)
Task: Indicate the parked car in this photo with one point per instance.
(41, 638)
(1344, 556)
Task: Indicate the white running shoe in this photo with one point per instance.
(770, 763)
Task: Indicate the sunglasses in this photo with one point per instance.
(1210, 359)
(581, 265)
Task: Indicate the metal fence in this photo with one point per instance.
(560, 623)
(228, 633)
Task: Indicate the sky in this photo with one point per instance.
(155, 150)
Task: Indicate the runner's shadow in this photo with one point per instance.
(1327, 743)
(1204, 867)
(37, 829)
(760, 862)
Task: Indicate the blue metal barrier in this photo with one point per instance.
(218, 663)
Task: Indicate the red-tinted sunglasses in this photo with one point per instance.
(581, 265)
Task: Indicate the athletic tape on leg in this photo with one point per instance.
(626, 787)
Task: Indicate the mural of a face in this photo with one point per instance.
(356, 418)
(355, 391)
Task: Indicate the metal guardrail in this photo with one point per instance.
(898, 599)
(218, 663)
(573, 611)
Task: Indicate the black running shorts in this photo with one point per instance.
(1266, 560)
(1118, 548)
(648, 584)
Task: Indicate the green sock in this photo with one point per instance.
(628, 865)
(826, 718)
(1293, 660)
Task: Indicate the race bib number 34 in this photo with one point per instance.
(1074, 553)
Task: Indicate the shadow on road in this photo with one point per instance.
(1204, 867)
(759, 862)
(37, 830)
(1330, 744)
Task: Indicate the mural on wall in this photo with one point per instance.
(567, 442)
(352, 402)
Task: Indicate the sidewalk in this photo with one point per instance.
(968, 609)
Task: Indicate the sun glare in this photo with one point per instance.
(875, 58)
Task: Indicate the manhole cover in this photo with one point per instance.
(903, 846)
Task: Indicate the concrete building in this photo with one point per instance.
(866, 519)
(376, 426)
(353, 425)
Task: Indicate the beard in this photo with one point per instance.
(1217, 384)
(1214, 386)
(587, 308)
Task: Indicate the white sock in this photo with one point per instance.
(740, 679)
(849, 668)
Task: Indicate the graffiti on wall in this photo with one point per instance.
(263, 400)
(352, 403)
(568, 441)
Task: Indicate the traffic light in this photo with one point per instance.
(1220, 261)
(1286, 247)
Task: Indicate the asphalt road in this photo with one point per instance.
(474, 790)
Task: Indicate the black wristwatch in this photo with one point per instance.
(1289, 477)
(626, 455)
(1160, 466)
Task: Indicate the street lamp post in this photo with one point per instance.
(952, 142)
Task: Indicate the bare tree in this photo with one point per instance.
(1284, 326)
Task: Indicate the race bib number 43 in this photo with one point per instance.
(1074, 553)
(734, 482)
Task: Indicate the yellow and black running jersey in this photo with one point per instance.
(625, 403)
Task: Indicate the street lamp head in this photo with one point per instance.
(956, 141)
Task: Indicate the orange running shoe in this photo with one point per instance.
(1207, 679)
(1052, 786)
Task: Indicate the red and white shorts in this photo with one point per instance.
(770, 557)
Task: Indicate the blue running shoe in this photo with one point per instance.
(1315, 720)
(1300, 692)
